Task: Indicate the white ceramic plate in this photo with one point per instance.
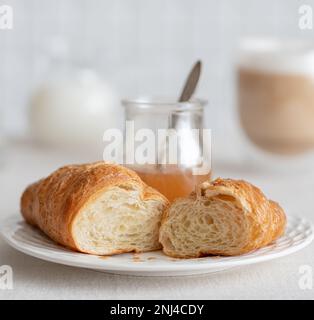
(33, 242)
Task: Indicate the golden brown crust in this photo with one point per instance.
(267, 220)
(52, 203)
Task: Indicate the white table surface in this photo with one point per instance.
(36, 279)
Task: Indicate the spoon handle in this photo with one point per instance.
(191, 82)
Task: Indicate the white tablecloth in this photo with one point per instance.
(37, 279)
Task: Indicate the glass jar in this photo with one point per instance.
(181, 158)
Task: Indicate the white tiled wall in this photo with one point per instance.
(140, 46)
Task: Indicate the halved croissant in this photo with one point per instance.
(224, 217)
(97, 208)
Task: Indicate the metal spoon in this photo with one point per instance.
(185, 120)
(191, 82)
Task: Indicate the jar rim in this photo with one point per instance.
(147, 102)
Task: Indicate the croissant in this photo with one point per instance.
(224, 217)
(96, 208)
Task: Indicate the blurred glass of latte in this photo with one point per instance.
(276, 94)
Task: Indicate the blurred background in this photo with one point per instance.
(66, 64)
(138, 47)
